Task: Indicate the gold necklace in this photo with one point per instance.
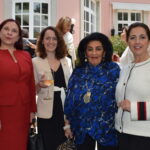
(87, 95)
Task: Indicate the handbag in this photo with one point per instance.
(67, 145)
(35, 141)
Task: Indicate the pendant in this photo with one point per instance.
(87, 97)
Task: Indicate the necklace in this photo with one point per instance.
(87, 95)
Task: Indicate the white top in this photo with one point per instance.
(134, 85)
(68, 38)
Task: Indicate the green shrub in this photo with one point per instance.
(118, 45)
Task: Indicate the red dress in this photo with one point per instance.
(17, 99)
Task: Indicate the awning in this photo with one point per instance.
(131, 6)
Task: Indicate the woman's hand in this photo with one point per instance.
(125, 105)
(41, 83)
(68, 133)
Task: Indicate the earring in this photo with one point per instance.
(85, 59)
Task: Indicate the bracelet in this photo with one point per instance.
(66, 127)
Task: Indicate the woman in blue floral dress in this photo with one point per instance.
(90, 101)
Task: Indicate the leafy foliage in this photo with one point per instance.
(118, 45)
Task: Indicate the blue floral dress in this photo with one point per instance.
(96, 117)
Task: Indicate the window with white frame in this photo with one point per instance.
(125, 18)
(32, 15)
(89, 16)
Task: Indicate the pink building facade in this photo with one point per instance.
(90, 15)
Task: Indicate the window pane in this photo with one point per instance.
(18, 18)
(119, 16)
(87, 16)
(92, 6)
(92, 28)
(25, 7)
(138, 17)
(44, 8)
(125, 25)
(120, 28)
(37, 7)
(37, 20)
(87, 27)
(36, 32)
(92, 19)
(25, 20)
(18, 8)
(44, 20)
(132, 16)
(125, 16)
(87, 3)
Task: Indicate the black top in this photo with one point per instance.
(59, 81)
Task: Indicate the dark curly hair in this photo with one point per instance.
(61, 49)
(96, 36)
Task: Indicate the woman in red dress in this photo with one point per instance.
(17, 88)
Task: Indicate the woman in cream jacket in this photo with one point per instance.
(51, 64)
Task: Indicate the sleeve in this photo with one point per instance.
(35, 72)
(113, 77)
(32, 91)
(70, 65)
(69, 102)
(140, 110)
(110, 88)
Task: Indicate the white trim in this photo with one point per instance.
(131, 6)
(134, 113)
(148, 110)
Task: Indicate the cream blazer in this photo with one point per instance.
(45, 107)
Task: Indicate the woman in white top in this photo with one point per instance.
(133, 93)
(64, 27)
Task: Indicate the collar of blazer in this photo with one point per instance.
(43, 65)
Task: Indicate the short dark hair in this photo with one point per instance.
(138, 24)
(96, 36)
(61, 49)
(19, 44)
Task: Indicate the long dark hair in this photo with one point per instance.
(61, 49)
(19, 44)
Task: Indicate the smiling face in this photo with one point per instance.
(138, 41)
(94, 52)
(50, 41)
(9, 35)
